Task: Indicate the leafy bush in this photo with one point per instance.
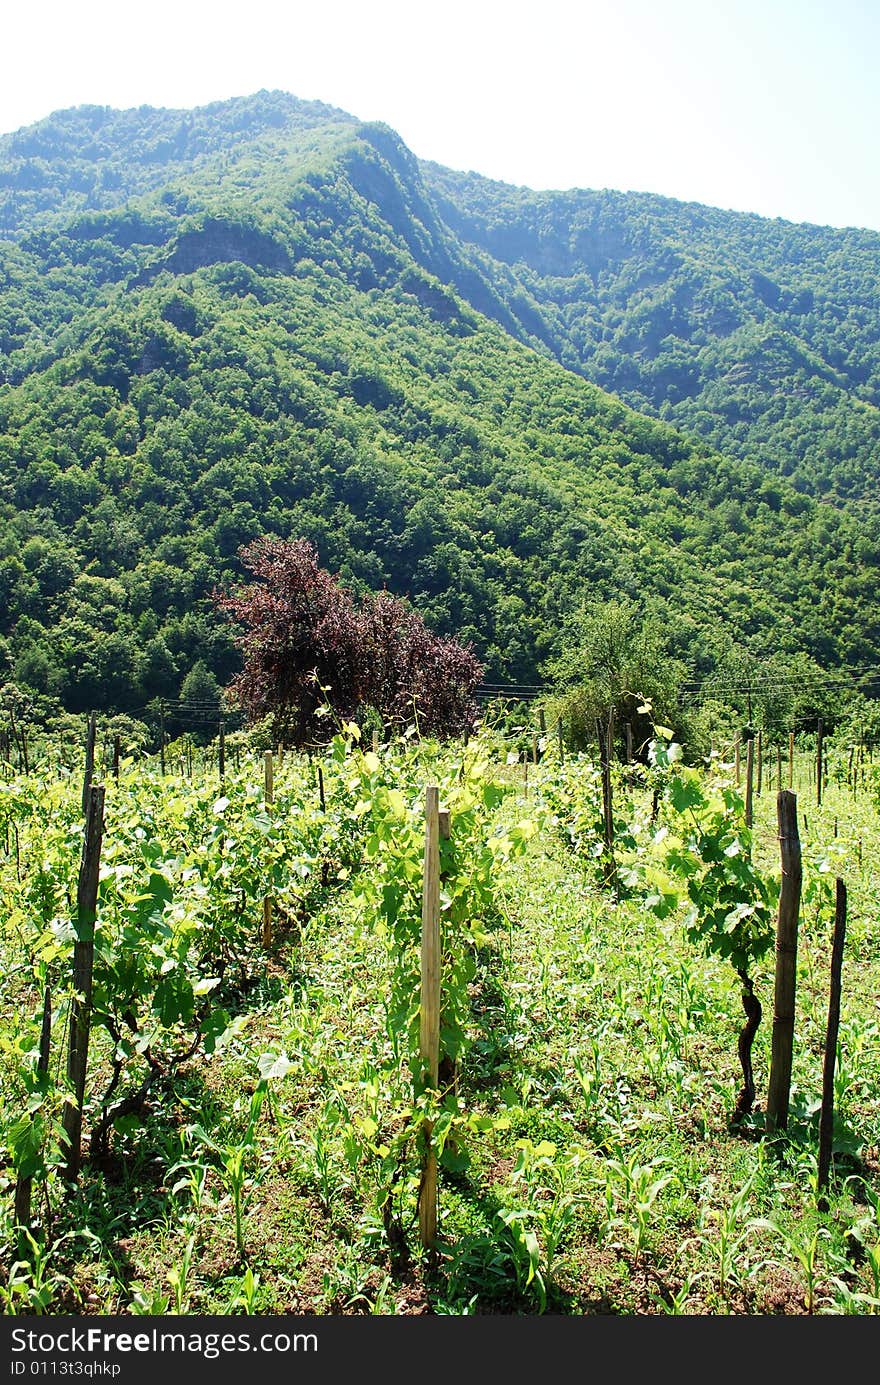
(308, 645)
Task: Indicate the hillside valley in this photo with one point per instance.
(266, 316)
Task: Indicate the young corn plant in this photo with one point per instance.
(233, 1161)
(178, 1277)
(33, 1285)
(248, 1291)
(538, 1226)
(633, 1187)
(723, 1233)
(802, 1244)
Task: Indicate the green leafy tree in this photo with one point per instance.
(614, 658)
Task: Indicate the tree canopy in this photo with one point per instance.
(310, 648)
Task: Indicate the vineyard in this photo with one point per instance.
(236, 1080)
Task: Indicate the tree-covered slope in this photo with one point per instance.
(285, 336)
(758, 335)
(92, 159)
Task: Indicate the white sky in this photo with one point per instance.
(770, 106)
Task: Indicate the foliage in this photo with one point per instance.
(182, 884)
(755, 335)
(585, 1156)
(308, 647)
(704, 843)
(613, 659)
(262, 318)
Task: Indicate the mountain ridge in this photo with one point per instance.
(295, 340)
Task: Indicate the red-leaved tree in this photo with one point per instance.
(306, 643)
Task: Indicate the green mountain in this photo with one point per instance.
(760, 336)
(264, 315)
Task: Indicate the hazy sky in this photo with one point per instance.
(771, 106)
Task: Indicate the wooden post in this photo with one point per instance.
(90, 761)
(750, 770)
(534, 747)
(269, 798)
(162, 738)
(628, 741)
(606, 748)
(429, 1006)
(760, 764)
(782, 1042)
(542, 721)
(117, 754)
(321, 797)
(790, 759)
(819, 764)
(83, 958)
(23, 1185)
(826, 1117)
(221, 749)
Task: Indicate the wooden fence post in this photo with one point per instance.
(162, 739)
(826, 1117)
(750, 772)
(221, 750)
(606, 751)
(268, 777)
(429, 1006)
(782, 1041)
(90, 761)
(819, 764)
(269, 799)
(628, 734)
(760, 764)
(321, 797)
(83, 960)
(790, 760)
(117, 753)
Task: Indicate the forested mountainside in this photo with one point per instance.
(263, 316)
(759, 335)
